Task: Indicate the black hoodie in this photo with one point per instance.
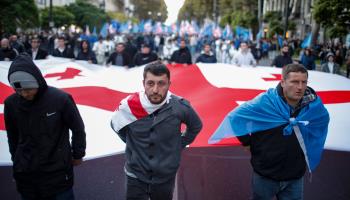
(183, 56)
(38, 136)
(88, 55)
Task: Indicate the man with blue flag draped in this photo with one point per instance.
(285, 128)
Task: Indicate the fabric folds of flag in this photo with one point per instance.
(267, 111)
(133, 107)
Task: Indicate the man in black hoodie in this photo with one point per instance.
(183, 55)
(207, 56)
(283, 59)
(38, 119)
(145, 56)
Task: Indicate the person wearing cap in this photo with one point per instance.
(37, 120)
(145, 56)
(330, 66)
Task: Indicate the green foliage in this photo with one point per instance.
(333, 15)
(275, 23)
(143, 7)
(18, 14)
(121, 17)
(87, 14)
(233, 12)
(240, 18)
(197, 10)
(60, 15)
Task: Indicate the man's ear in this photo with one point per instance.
(143, 83)
(283, 83)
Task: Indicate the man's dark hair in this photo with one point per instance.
(61, 38)
(293, 68)
(206, 44)
(121, 43)
(36, 38)
(156, 68)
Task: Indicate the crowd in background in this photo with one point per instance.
(130, 50)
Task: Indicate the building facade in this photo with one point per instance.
(300, 13)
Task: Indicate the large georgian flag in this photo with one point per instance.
(213, 90)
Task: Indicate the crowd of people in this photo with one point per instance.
(130, 50)
(38, 118)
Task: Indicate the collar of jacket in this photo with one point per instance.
(309, 96)
(164, 112)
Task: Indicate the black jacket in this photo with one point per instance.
(142, 59)
(205, 58)
(126, 59)
(8, 53)
(281, 61)
(38, 136)
(89, 55)
(67, 53)
(274, 155)
(182, 56)
(42, 54)
(154, 143)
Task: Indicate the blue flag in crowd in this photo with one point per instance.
(227, 33)
(280, 41)
(104, 30)
(242, 33)
(307, 41)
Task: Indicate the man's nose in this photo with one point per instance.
(155, 88)
(300, 85)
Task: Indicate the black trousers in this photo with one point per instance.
(138, 190)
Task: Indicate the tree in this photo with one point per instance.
(233, 12)
(87, 14)
(21, 13)
(121, 17)
(275, 23)
(60, 15)
(333, 15)
(150, 9)
(196, 10)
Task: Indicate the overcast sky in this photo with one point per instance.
(173, 7)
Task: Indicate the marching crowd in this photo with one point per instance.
(132, 50)
(38, 117)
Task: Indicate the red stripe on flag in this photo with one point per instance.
(331, 97)
(98, 97)
(136, 107)
(2, 122)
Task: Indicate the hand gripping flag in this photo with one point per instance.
(267, 111)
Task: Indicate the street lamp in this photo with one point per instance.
(159, 14)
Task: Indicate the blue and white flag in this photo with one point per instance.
(267, 111)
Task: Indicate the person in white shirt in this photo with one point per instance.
(244, 57)
(100, 49)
